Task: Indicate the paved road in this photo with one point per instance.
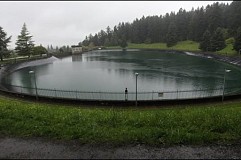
(39, 148)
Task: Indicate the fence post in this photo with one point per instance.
(55, 94)
(177, 93)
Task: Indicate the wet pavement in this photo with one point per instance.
(40, 148)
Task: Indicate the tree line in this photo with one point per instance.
(25, 45)
(210, 26)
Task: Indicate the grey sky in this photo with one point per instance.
(67, 23)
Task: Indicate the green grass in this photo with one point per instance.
(187, 46)
(12, 60)
(183, 45)
(228, 50)
(148, 46)
(216, 123)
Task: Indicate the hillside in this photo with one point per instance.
(182, 45)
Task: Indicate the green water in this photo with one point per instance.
(115, 70)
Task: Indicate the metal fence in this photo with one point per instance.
(120, 96)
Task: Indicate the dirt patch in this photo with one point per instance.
(40, 148)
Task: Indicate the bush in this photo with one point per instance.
(229, 41)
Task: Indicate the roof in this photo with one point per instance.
(75, 46)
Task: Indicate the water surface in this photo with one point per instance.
(114, 70)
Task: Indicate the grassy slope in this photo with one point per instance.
(228, 50)
(183, 45)
(190, 125)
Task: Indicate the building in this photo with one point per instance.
(76, 49)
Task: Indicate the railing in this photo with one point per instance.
(120, 96)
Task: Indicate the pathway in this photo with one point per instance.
(39, 148)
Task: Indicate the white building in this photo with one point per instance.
(76, 49)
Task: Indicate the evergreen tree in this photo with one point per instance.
(214, 17)
(114, 39)
(182, 23)
(24, 44)
(234, 16)
(123, 42)
(39, 50)
(171, 35)
(217, 40)
(237, 42)
(91, 46)
(68, 49)
(102, 35)
(172, 27)
(205, 44)
(95, 40)
(4, 40)
(107, 42)
(86, 41)
(108, 32)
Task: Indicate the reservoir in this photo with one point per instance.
(114, 70)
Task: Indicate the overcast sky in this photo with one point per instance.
(68, 22)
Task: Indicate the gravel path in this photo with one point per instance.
(39, 148)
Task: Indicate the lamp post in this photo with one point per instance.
(225, 71)
(136, 86)
(32, 72)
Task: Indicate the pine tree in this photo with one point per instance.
(86, 41)
(123, 42)
(237, 43)
(217, 40)
(39, 50)
(68, 49)
(214, 17)
(3, 42)
(205, 44)
(24, 44)
(171, 35)
(114, 39)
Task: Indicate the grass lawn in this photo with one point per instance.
(183, 46)
(228, 50)
(196, 124)
(148, 46)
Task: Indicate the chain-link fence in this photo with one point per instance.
(130, 96)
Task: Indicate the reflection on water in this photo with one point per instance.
(115, 71)
(76, 58)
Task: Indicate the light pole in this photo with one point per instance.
(225, 71)
(32, 72)
(136, 86)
